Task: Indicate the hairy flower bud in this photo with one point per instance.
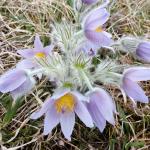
(143, 51)
(129, 44)
(140, 48)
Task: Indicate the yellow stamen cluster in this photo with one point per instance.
(65, 103)
(99, 29)
(40, 55)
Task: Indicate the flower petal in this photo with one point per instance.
(143, 51)
(23, 89)
(48, 49)
(9, 81)
(97, 117)
(107, 34)
(67, 122)
(96, 18)
(38, 46)
(83, 114)
(80, 97)
(26, 53)
(138, 73)
(99, 38)
(59, 93)
(51, 120)
(104, 103)
(134, 91)
(26, 64)
(46, 105)
(144, 56)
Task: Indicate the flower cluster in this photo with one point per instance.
(76, 77)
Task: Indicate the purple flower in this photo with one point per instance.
(16, 82)
(101, 108)
(143, 51)
(129, 85)
(93, 27)
(38, 51)
(89, 1)
(61, 108)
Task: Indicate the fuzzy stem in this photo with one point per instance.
(116, 74)
(86, 79)
(78, 33)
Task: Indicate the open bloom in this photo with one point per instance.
(93, 27)
(129, 85)
(61, 107)
(143, 51)
(89, 1)
(16, 82)
(38, 51)
(101, 108)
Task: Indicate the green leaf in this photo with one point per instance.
(123, 117)
(11, 110)
(70, 2)
(112, 144)
(135, 144)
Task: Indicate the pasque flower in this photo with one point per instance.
(93, 27)
(38, 50)
(89, 1)
(143, 51)
(16, 82)
(101, 108)
(139, 48)
(61, 107)
(129, 85)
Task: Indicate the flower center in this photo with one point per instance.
(99, 29)
(40, 55)
(65, 103)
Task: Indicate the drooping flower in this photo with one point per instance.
(129, 85)
(139, 48)
(89, 1)
(143, 51)
(61, 108)
(101, 108)
(93, 27)
(38, 51)
(16, 82)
